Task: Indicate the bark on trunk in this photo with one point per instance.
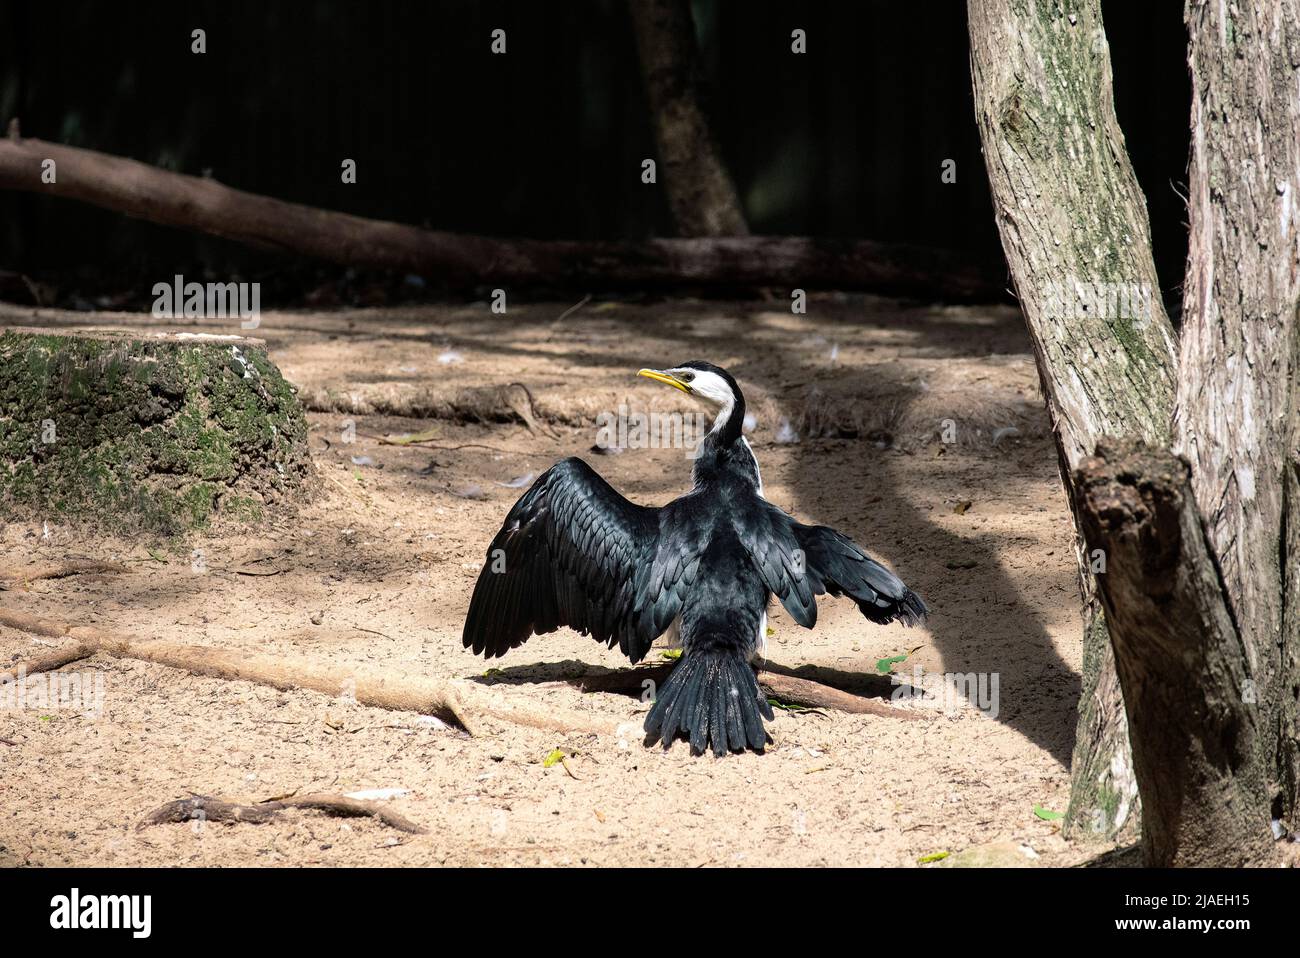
(724, 263)
(1237, 398)
(1200, 745)
(1074, 228)
(700, 192)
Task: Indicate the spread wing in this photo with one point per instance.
(573, 552)
(800, 562)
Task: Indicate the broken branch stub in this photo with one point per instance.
(1193, 718)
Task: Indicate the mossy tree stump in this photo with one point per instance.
(154, 432)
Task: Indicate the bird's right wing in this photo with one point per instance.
(573, 552)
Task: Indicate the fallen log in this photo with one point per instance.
(204, 205)
(366, 684)
(459, 703)
(790, 689)
(204, 808)
(58, 570)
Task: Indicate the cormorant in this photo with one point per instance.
(574, 552)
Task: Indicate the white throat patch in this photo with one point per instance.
(711, 390)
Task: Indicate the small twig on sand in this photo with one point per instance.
(565, 315)
(382, 635)
(205, 808)
(519, 398)
(421, 439)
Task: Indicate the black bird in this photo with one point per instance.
(574, 552)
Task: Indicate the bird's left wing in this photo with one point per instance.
(836, 564)
(572, 552)
(800, 562)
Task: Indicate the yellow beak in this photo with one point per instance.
(662, 377)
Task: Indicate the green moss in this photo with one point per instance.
(242, 508)
(152, 434)
(1095, 800)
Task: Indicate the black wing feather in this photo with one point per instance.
(573, 552)
(835, 564)
(800, 562)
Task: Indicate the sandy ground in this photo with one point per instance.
(378, 569)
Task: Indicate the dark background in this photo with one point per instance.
(547, 140)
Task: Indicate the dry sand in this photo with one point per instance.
(378, 570)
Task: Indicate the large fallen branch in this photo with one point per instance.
(456, 702)
(785, 688)
(207, 809)
(190, 202)
(58, 570)
(461, 703)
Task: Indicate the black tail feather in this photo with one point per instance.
(712, 698)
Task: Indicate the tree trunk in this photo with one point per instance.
(700, 191)
(1200, 745)
(716, 263)
(1237, 417)
(1074, 228)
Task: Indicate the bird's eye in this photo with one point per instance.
(688, 377)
